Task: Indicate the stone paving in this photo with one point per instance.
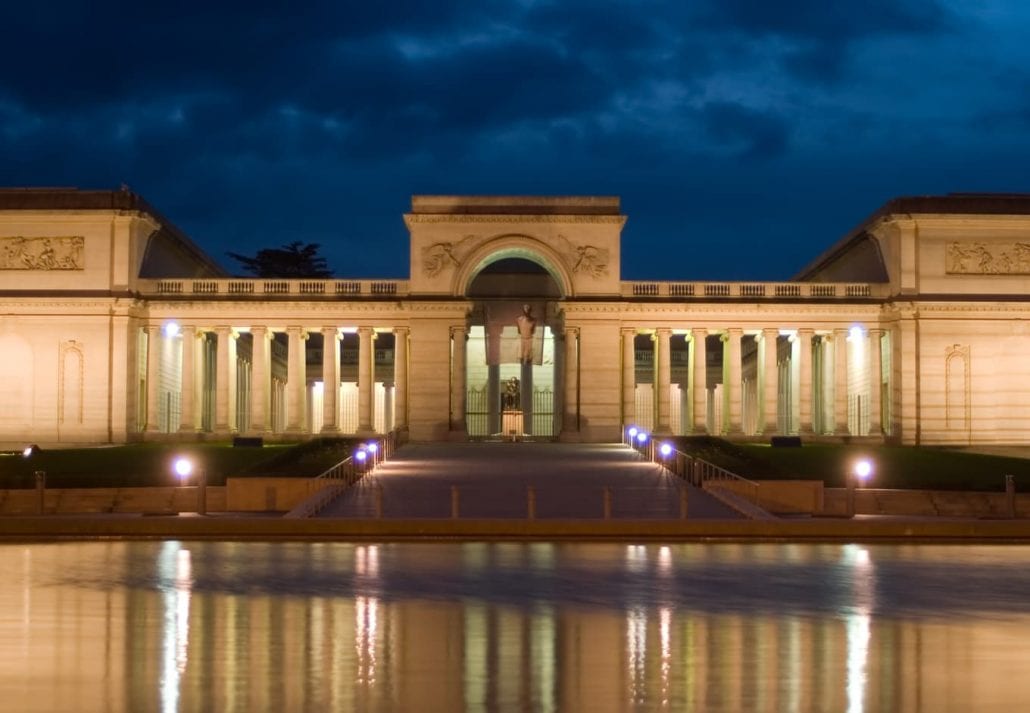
(493, 480)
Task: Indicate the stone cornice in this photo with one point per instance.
(414, 218)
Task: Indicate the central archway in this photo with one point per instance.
(511, 352)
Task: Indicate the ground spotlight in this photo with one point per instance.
(31, 450)
(641, 437)
(665, 450)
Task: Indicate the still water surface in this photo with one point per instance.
(190, 626)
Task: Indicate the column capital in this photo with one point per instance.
(572, 332)
(258, 331)
(770, 332)
(876, 331)
(698, 333)
(457, 329)
(663, 331)
(628, 331)
(806, 332)
(328, 331)
(401, 331)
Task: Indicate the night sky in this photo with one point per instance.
(744, 136)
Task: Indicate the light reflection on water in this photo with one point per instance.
(137, 626)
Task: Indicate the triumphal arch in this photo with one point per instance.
(512, 321)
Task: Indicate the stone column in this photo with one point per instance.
(700, 380)
(840, 382)
(366, 380)
(493, 398)
(570, 417)
(770, 381)
(733, 379)
(459, 336)
(629, 377)
(153, 377)
(526, 397)
(259, 379)
(225, 361)
(296, 381)
(187, 413)
(664, 368)
(330, 380)
(400, 378)
(875, 383)
(805, 376)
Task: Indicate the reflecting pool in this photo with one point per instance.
(223, 626)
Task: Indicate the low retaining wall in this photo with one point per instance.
(158, 500)
(270, 494)
(265, 528)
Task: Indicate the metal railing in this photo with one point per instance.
(697, 471)
(752, 290)
(365, 459)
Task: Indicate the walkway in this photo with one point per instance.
(493, 478)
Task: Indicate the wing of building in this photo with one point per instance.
(513, 319)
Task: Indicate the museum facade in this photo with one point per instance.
(514, 320)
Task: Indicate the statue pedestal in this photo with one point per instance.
(511, 425)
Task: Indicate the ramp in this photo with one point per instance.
(516, 480)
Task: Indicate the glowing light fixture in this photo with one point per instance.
(641, 437)
(863, 470)
(855, 333)
(171, 329)
(183, 467)
(665, 450)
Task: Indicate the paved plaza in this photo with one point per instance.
(493, 481)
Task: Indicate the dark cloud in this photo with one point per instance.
(724, 125)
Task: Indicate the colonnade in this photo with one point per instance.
(196, 384)
(803, 381)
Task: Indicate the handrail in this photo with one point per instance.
(699, 472)
(346, 473)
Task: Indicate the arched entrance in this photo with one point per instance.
(512, 355)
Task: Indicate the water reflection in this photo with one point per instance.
(495, 627)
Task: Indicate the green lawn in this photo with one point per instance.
(893, 466)
(151, 463)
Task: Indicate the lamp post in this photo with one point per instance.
(860, 474)
(40, 478)
(183, 468)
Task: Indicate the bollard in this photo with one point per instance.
(607, 490)
(530, 503)
(683, 503)
(201, 492)
(40, 491)
(455, 502)
(1010, 496)
(379, 502)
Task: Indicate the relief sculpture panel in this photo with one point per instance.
(54, 253)
(983, 259)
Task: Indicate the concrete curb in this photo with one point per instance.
(266, 528)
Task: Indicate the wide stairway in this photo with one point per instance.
(498, 480)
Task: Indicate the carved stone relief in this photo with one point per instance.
(56, 253)
(983, 259)
(440, 256)
(587, 259)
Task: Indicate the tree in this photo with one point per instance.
(294, 260)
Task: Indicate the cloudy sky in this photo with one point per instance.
(744, 136)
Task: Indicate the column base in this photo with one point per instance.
(457, 436)
(330, 431)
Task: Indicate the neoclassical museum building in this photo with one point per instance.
(513, 320)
